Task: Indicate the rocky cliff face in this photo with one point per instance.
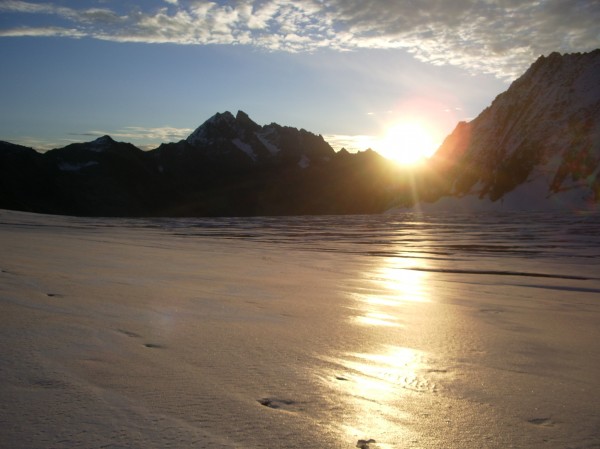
(537, 142)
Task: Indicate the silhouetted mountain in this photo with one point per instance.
(227, 166)
(536, 146)
(104, 175)
(25, 178)
(227, 146)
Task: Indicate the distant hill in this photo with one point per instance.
(537, 146)
(229, 166)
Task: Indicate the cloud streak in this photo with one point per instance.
(144, 137)
(352, 143)
(501, 37)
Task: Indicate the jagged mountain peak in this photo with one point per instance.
(102, 142)
(204, 132)
(98, 145)
(221, 117)
(226, 135)
(222, 125)
(104, 139)
(241, 116)
(244, 121)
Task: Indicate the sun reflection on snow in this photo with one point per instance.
(373, 387)
(394, 285)
(377, 319)
(401, 282)
(374, 381)
(379, 374)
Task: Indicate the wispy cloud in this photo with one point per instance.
(157, 134)
(42, 32)
(144, 137)
(490, 36)
(20, 6)
(352, 143)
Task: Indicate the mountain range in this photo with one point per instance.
(229, 166)
(537, 146)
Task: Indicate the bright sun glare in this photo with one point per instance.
(407, 143)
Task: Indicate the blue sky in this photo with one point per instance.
(152, 71)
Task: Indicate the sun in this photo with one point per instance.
(408, 143)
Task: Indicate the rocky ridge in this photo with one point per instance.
(536, 145)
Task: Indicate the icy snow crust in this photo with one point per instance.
(405, 331)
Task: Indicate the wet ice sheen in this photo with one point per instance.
(393, 331)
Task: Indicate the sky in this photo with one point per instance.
(359, 72)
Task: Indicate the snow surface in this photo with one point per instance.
(416, 331)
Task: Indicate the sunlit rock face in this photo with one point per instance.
(542, 135)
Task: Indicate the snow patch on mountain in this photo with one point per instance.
(101, 144)
(68, 166)
(263, 136)
(246, 148)
(210, 128)
(304, 162)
